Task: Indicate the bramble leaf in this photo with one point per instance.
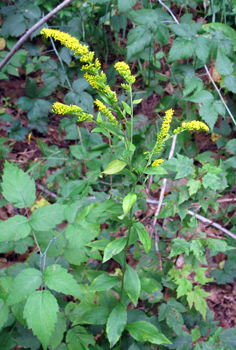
(41, 315)
(45, 218)
(14, 229)
(17, 186)
(58, 279)
(24, 285)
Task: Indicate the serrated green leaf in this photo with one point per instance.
(143, 236)
(58, 333)
(41, 315)
(30, 87)
(202, 48)
(45, 218)
(14, 25)
(17, 186)
(200, 97)
(4, 310)
(179, 246)
(138, 38)
(209, 112)
(58, 279)
(24, 285)
(14, 228)
(231, 146)
(103, 282)
(181, 49)
(196, 297)
(97, 315)
(132, 284)
(194, 186)
(114, 167)
(113, 248)
(145, 331)
(128, 203)
(116, 324)
(78, 338)
(228, 336)
(124, 5)
(223, 64)
(211, 181)
(230, 83)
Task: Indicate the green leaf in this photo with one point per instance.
(113, 248)
(181, 49)
(57, 278)
(200, 97)
(185, 167)
(202, 48)
(209, 112)
(30, 87)
(24, 285)
(79, 152)
(114, 167)
(17, 186)
(26, 339)
(132, 284)
(230, 83)
(118, 22)
(45, 218)
(196, 297)
(212, 181)
(78, 338)
(14, 228)
(194, 186)
(127, 108)
(155, 171)
(96, 315)
(138, 38)
(179, 246)
(231, 146)
(143, 236)
(14, 25)
(223, 64)
(125, 5)
(103, 282)
(228, 337)
(116, 324)
(41, 315)
(58, 333)
(145, 331)
(127, 204)
(4, 310)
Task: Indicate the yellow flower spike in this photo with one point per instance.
(60, 108)
(157, 162)
(193, 125)
(69, 41)
(125, 72)
(106, 112)
(164, 130)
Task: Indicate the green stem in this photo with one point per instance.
(126, 249)
(132, 114)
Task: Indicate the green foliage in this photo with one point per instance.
(100, 184)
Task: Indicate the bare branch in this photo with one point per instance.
(32, 30)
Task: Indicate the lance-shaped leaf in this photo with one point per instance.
(145, 331)
(24, 285)
(45, 218)
(96, 315)
(14, 228)
(114, 167)
(57, 278)
(103, 282)
(113, 248)
(143, 236)
(17, 186)
(41, 315)
(127, 204)
(132, 284)
(116, 323)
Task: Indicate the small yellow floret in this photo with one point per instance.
(125, 72)
(193, 125)
(60, 108)
(164, 130)
(157, 162)
(106, 112)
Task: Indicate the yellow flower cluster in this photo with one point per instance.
(157, 162)
(164, 130)
(106, 112)
(125, 72)
(60, 108)
(69, 41)
(193, 125)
